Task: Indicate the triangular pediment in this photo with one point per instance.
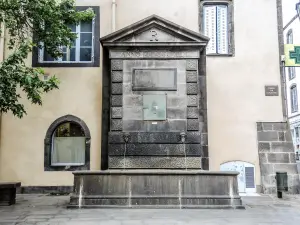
(155, 29)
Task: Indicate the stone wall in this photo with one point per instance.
(276, 154)
(157, 144)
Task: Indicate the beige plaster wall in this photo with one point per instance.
(235, 87)
(80, 94)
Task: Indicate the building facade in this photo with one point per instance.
(244, 125)
(291, 36)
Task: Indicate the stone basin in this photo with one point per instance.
(155, 189)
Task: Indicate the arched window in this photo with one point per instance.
(67, 145)
(294, 99)
(289, 40)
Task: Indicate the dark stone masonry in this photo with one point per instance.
(276, 154)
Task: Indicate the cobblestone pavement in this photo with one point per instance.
(43, 209)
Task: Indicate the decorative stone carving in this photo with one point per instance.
(164, 54)
(192, 88)
(117, 76)
(117, 88)
(117, 64)
(116, 100)
(191, 76)
(192, 113)
(116, 125)
(192, 124)
(192, 100)
(116, 112)
(191, 64)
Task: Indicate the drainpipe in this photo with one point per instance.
(113, 15)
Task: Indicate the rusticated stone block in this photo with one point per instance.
(193, 124)
(191, 76)
(116, 88)
(289, 168)
(116, 64)
(192, 100)
(264, 146)
(267, 136)
(266, 169)
(116, 112)
(259, 126)
(263, 158)
(116, 124)
(117, 100)
(192, 89)
(282, 147)
(117, 76)
(193, 137)
(268, 126)
(191, 64)
(280, 126)
(278, 157)
(192, 113)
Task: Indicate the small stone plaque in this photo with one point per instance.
(154, 79)
(271, 90)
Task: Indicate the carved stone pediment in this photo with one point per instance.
(154, 30)
(155, 34)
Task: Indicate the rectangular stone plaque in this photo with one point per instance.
(155, 107)
(162, 79)
(271, 90)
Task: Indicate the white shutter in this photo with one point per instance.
(210, 24)
(222, 29)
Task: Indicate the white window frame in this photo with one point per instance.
(290, 40)
(78, 47)
(217, 50)
(52, 152)
(294, 98)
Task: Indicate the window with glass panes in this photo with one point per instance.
(215, 26)
(294, 99)
(289, 40)
(82, 49)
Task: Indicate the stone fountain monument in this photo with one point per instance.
(154, 124)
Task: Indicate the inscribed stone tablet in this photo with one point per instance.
(154, 79)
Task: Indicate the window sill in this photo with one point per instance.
(44, 64)
(220, 55)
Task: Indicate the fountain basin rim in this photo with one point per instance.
(156, 172)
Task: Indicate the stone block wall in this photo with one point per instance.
(276, 154)
(157, 144)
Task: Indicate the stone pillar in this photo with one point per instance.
(276, 154)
